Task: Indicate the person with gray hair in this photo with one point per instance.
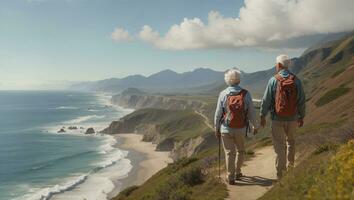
(284, 98)
(233, 113)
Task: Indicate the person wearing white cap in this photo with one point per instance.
(284, 98)
(233, 113)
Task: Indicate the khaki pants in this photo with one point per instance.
(232, 141)
(283, 134)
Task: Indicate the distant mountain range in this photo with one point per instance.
(161, 81)
(205, 80)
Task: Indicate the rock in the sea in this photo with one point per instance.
(62, 130)
(72, 128)
(90, 131)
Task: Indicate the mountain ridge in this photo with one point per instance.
(165, 79)
(327, 74)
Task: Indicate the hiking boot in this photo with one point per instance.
(230, 181)
(239, 176)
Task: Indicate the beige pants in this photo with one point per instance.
(284, 144)
(232, 141)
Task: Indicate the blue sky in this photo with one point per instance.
(47, 43)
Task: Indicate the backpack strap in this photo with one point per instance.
(292, 76)
(280, 78)
(243, 92)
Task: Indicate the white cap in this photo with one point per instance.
(232, 77)
(284, 60)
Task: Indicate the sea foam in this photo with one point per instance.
(102, 179)
(96, 184)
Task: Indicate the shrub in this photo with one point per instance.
(126, 192)
(332, 95)
(191, 176)
(325, 147)
(338, 179)
(179, 185)
(337, 57)
(335, 74)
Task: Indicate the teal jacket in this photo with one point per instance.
(219, 124)
(268, 100)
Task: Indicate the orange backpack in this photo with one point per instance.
(236, 114)
(286, 96)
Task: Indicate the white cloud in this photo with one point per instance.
(261, 23)
(120, 35)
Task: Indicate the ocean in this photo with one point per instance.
(37, 162)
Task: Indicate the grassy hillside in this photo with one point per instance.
(326, 174)
(189, 178)
(171, 124)
(328, 82)
(328, 79)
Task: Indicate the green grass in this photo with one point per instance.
(325, 147)
(326, 174)
(335, 74)
(175, 124)
(182, 180)
(189, 178)
(338, 179)
(332, 95)
(296, 184)
(181, 128)
(153, 115)
(318, 127)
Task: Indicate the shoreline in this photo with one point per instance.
(145, 160)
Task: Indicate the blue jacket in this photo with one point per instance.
(268, 101)
(221, 106)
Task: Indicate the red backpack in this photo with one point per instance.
(236, 114)
(286, 96)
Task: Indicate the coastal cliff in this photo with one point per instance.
(182, 132)
(155, 101)
(136, 99)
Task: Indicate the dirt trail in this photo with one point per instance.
(259, 174)
(206, 120)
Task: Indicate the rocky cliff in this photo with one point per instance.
(138, 101)
(182, 132)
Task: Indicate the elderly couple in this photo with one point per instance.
(284, 98)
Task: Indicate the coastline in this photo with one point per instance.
(145, 160)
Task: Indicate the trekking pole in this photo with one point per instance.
(219, 154)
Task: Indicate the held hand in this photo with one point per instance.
(263, 121)
(300, 122)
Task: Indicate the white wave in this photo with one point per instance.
(112, 154)
(66, 108)
(48, 192)
(93, 110)
(111, 167)
(105, 99)
(84, 118)
(95, 185)
(108, 144)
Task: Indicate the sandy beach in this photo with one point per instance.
(146, 161)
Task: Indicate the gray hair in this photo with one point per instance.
(232, 77)
(284, 60)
